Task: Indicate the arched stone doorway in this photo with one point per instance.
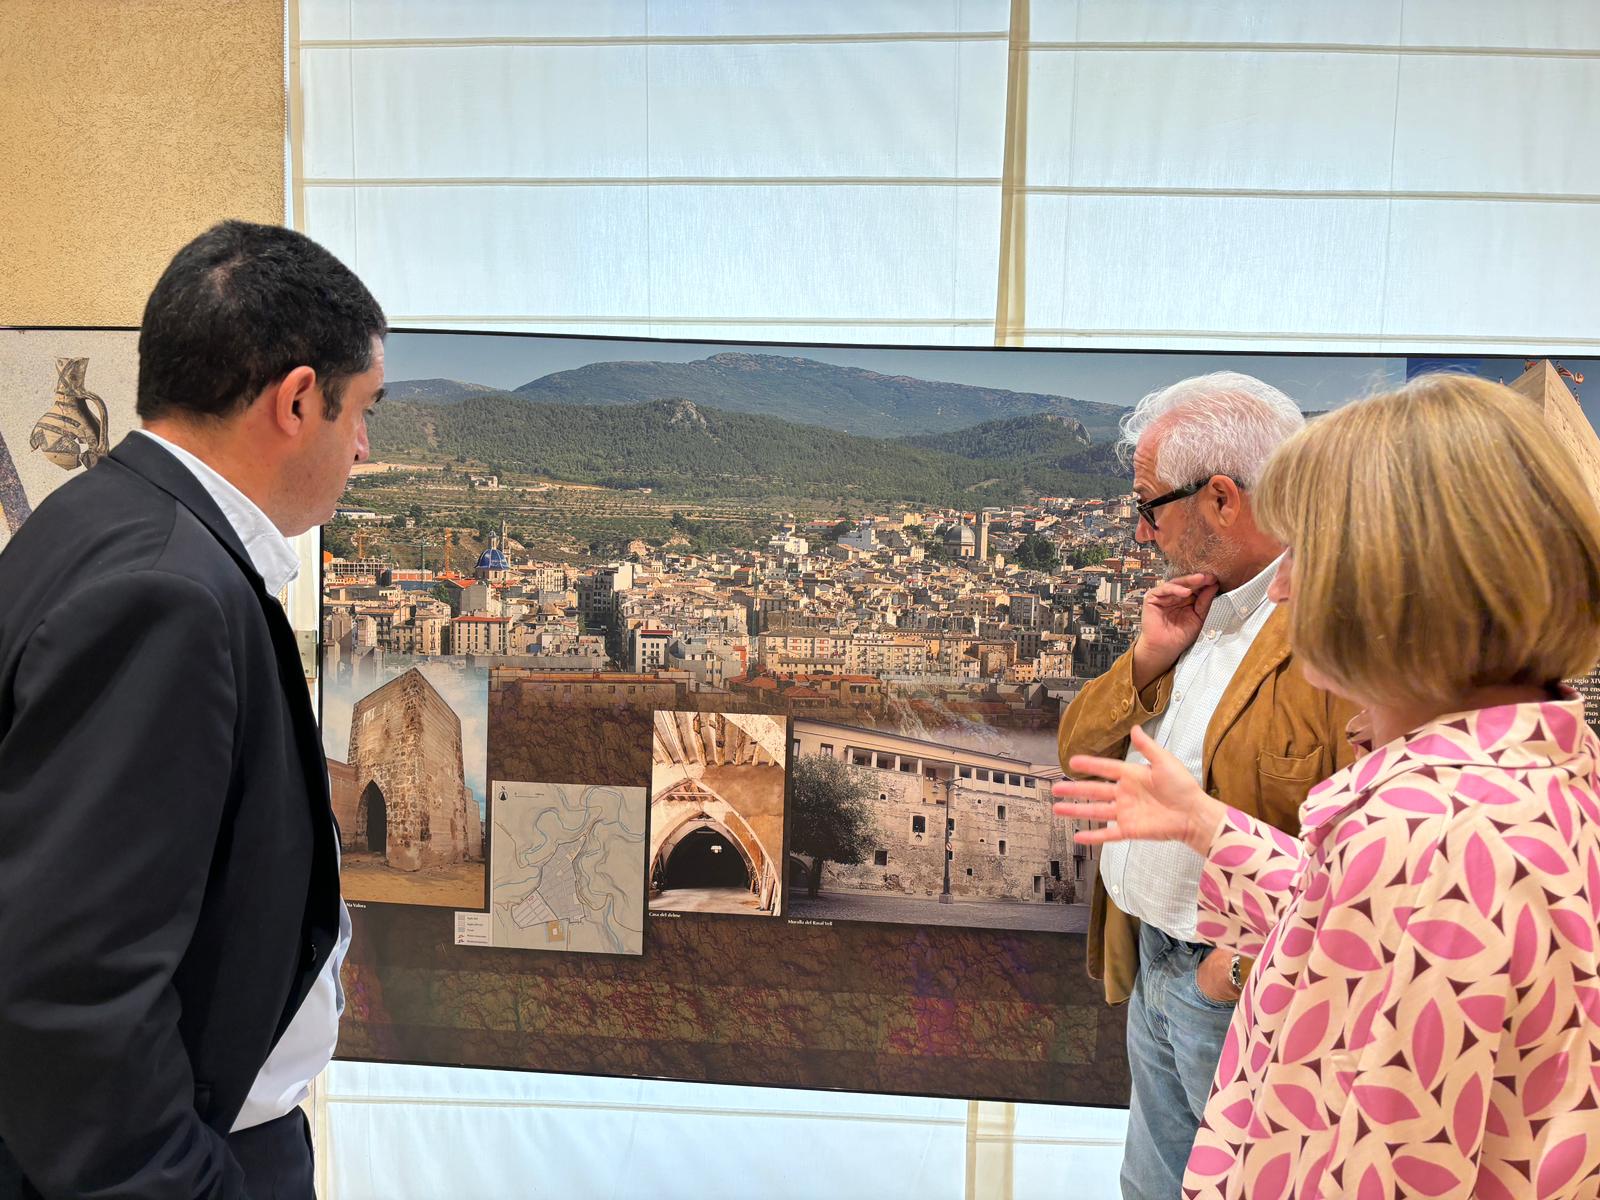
(705, 858)
(701, 864)
(723, 772)
(372, 820)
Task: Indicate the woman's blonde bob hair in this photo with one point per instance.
(1443, 540)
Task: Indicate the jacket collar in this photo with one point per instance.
(153, 463)
(1232, 609)
(1267, 652)
(1546, 734)
(272, 555)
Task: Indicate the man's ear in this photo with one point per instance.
(1226, 500)
(290, 400)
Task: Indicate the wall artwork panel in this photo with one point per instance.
(66, 398)
(773, 642)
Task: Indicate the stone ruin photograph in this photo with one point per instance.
(405, 745)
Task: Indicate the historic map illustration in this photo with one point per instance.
(566, 867)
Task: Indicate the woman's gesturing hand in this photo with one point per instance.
(1155, 802)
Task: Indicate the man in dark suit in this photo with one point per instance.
(170, 921)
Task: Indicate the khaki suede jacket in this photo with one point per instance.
(1271, 739)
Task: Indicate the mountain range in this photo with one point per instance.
(802, 390)
(689, 448)
(435, 391)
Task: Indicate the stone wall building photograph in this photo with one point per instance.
(962, 835)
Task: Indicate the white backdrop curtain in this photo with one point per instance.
(1384, 175)
(817, 171)
(1372, 175)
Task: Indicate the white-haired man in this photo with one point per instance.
(1211, 679)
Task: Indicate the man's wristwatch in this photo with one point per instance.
(1234, 975)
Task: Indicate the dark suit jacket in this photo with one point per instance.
(168, 867)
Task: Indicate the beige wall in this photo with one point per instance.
(127, 127)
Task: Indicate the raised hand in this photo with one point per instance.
(1158, 801)
(1169, 623)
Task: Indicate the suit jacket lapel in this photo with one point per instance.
(147, 459)
(1266, 654)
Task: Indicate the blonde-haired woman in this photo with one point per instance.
(1424, 1015)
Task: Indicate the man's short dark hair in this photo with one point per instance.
(239, 308)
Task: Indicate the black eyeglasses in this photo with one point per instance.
(1147, 508)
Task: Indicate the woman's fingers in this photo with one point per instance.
(1098, 837)
(1083, 789)
(1107, 768)
(1145, 744)
(1086, 810)
(1157, 754)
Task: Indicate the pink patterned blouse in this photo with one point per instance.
(1424, 1015)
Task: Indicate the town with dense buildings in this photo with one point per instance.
(808, 617)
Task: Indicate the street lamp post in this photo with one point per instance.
(949, 841)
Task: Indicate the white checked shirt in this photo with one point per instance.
(1158, 882)
(307, 1044)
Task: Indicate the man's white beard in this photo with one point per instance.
(1201, 550)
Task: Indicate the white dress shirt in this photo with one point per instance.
(307, 1044)
(1159, 882)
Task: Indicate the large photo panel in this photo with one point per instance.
(773, 642)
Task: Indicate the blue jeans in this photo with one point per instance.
(1175, 1039)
